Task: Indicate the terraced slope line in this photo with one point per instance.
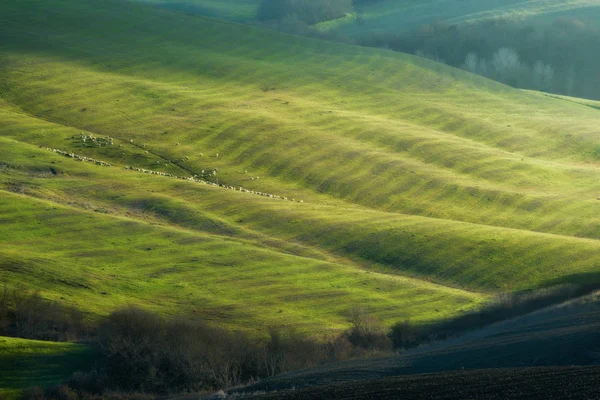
(392, 16)
(387, 131)
(101, 262)
(404, 166)
(422, 247)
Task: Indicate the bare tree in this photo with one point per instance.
(472, 62)
(543, 75)
(506, 61)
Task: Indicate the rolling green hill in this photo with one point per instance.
(392, 16)
(411, 188)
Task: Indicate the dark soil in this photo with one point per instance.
(530, 357)
(578, 383)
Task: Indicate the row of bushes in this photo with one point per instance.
(146, 353)
(26, 314)
(143, 352)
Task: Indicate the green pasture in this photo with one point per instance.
(99, 259)
(419, 190)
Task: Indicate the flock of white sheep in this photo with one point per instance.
(193, 178)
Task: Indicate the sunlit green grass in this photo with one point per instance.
(27, 363)
(100, 260)
(415, 177)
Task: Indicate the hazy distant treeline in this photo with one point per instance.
(557, 57)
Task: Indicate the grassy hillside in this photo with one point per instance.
(101, 256)
(391, 16)
(418, 190)
(27, 363)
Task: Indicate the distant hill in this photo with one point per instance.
(393, 16)
(390, 16)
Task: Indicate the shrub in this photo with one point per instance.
(147, 353)
(34, 393)
(551, 57)
(144, 352)
(62, 392)
(404, 335)
(366, 331)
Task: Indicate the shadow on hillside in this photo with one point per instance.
(553, 337)
(585, 279)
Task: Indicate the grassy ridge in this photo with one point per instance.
(104, 261)
(27, 363)
(405, 167)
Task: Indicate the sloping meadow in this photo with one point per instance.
(369, 178)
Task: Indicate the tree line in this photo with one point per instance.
(554, 57)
